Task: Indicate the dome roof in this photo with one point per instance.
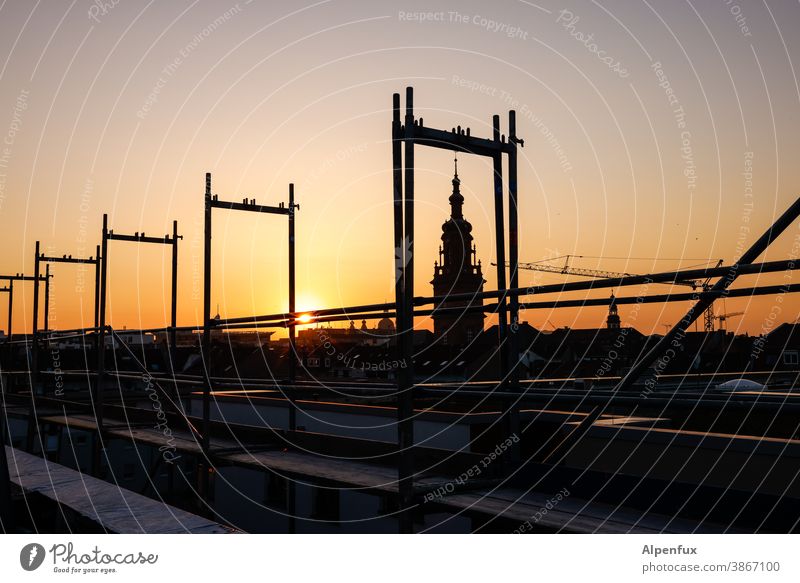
(462, 226)
(386, 325)
(741, 384)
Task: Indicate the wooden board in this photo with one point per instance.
(114, 508)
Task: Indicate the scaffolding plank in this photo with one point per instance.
(570, 515)
(114, 508)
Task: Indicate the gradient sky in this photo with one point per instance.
(121, 108)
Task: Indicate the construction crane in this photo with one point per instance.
(708, 315)
(567, 269)
(724, 317)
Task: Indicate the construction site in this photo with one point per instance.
(385, 426)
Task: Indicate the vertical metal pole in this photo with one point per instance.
(513, 251)
(174, 303)
(96, 300)
(35, 328)
(291, 490)
(403, 384)
(10, 308)
(96, 289)
(292, 308)
(500, 243)
(101, 347)
(47, 297)
(206, 352)
(397, 198)
(32, 422)
(512, 411)
(405, 396)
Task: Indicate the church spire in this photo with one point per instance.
(456, 199)
(613, 319)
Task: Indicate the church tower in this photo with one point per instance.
(613, 321)
(457, 272)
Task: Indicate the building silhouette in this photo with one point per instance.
(458, 271)
(613, 321)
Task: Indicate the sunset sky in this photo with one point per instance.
(670, 133)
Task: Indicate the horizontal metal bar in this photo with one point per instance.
(552, 304)
(19, 277)
(378, 311)
(90, 260)
(165, 240)
(43, 333)
(663, 298)
(324, 312)
(459, 142)
(253, 208)
(285, 320)
(703, 273)
(666, 276)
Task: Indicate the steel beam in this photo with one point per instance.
(292, 308)
(405, 394)
(205, 349)
(250, 207)
(460, 141)
(10, 309)
(674, 337)
(500, 246)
